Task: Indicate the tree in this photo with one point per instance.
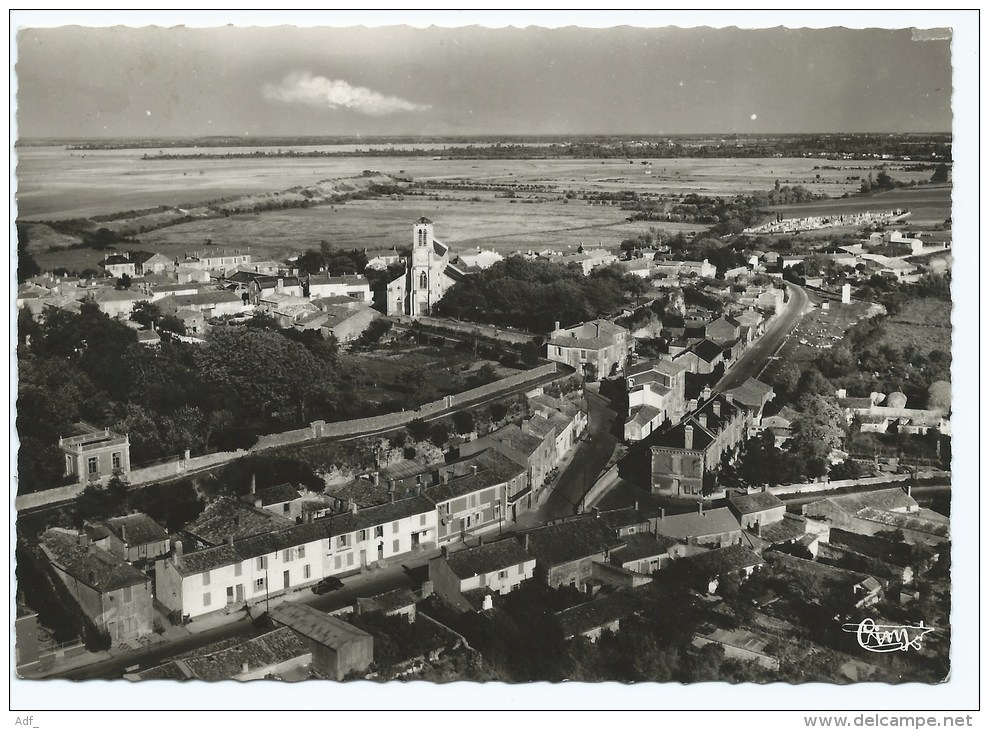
(415, 377)
(171, 323)
(418, 429)
(818, 430)
(124, 281)
(463, 421)
(940, 174)
(377, 329)
(440, 434)
(26, 265)
(498, 411)
(146, 313)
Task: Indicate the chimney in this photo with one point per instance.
(525, 542)
(374, 478)
(597, 329)
(243, 668)
(427, 589)
(729, 397)
(717, 408)
(258, 502)
(662, 513)
(123, 531)
(636, 506)
(700, 508)
(702, 420)
(758, 528)
(230, 540)
(706, 393)
(254, 486)
(480, 540)
(280, 285)
(176, 552)
(688, 437)
(473, 468)
(445, 551)
(353, 507)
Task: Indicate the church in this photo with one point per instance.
(428, 275)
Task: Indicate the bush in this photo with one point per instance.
(418, 429)
(498, 411)
(440, 435)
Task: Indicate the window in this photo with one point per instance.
(394, 527)
(263, 563)
(559, 350)
(342, 541)
(362, 535)
(379, 531)
(307, 571)
(116, 460)
(127, 594)
(259, 583)
(207, 599)
(206, 578)
(287, 556)
(301, 550)
(238, 568)
(286, 507)
(502, 573)
(92, 466)
(422, 519)
(395, 546)
(423, 281)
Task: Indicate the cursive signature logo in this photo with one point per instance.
(882, 638)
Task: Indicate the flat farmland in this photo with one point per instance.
(921, 323)
(55, 183)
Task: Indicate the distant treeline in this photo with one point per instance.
(918, 147)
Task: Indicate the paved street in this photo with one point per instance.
(752, 362)
(589, 461)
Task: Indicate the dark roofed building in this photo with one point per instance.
(226, 518)
(645, 553)
(625, 520)
(595, 617)
(756, 508)
(399, 602)
(565, 551)
(712, 527)
(136, 537)
(499, 567)
(711, 566)
(753, 395)
(97, 581)
(338, 648)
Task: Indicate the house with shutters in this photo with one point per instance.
(596, 349)
(250, 569)
(134, 537)
(564, 417)
(476, 495)
(495, 567)
(115, 596)
(683, 454)
(655, 396)
(567, 551)
(94, 454)
(352, 286)
(536, 454)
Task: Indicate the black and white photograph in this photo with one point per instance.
(412, 353)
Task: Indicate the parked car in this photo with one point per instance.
(326, 585)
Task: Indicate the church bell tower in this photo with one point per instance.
(421, 282)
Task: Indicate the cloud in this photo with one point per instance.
(324, 93)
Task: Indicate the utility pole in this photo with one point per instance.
(267, 605)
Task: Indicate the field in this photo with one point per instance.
(924, 324)
(54, 183)
(379, 225)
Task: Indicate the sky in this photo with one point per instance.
(159, 82)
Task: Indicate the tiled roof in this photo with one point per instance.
(752, 393)
(185, 301)
(278, 493)
(820, 572)
(378, 515)
(866, 545)
(487, 558)
(395, 600)
(747, 504)
(148, 336)
(622, 517)
(903, 521)
(513, 436)
(316, 625)
(493, 468)
(346, 279)
(571, 540)
(115, 260)
(89, 564)
(641, 415)
(599, 612)
(791, 527)
(540, 426)
(643, 545)
(138, 529)
(227, 517)
(364, 492)
(702, 435)
(707, 351)
(694, 524)
(267, 650)
(893, 498)
(717, 562)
